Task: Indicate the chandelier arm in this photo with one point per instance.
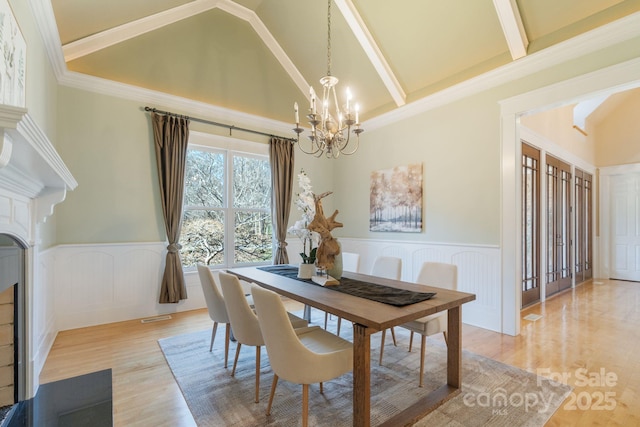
(354, 150)
(310, 152)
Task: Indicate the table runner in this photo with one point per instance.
(358, 288)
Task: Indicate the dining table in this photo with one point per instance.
(370, 316)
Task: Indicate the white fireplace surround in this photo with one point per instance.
(33, 179)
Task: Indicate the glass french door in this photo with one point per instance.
(583, 226)
(559, 264)
(530, 225)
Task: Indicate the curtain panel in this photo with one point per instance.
(281, 155)
(171, 136)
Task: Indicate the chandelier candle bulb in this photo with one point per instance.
(295, 108)
(357, 117)
(312, 95)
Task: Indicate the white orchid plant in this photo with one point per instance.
(305, 204)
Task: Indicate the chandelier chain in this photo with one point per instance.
(329, 38)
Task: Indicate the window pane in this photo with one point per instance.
(252, 237)
(204, 179)
(202, 238)
(251, 183)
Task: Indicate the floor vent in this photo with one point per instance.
(532, 317)
(156, 319)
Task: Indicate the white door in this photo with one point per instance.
(625, 227)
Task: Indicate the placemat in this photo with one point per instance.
(358, 288)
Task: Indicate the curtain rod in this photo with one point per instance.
(209, 122)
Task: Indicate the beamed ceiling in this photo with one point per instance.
(259, 56)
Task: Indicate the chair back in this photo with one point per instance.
(387, 267)
(350, 262)
(212, 295)
(439, 274)
(289, 358)
(244, 321)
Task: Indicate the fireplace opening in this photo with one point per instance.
(12, 323)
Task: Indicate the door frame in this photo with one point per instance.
(616, 78)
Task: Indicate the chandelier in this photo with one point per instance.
(330, 128)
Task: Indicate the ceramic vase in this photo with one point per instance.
(306, 271)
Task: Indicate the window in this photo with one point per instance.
(227, 209)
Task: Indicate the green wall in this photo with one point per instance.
(459, 145)
(107, 144)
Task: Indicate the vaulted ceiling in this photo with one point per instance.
(259, 56)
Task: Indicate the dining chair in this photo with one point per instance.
(350, 262)
(441, 275)
(303, 356)
(215, 306)
(244, 321)
(390, 268)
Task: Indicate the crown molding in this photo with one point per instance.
(160, 99)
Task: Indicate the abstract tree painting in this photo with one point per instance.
(395, 199)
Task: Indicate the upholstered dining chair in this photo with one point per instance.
(390, 268)
(244, 321)
(350, 262)
(441, 275)
(304, 356)
(215, 306)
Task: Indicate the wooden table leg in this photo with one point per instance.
(361, 376)
(454, 347)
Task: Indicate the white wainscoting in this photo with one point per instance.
(97, 284)
(43, 308)
(478, 270)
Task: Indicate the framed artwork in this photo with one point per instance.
(395, 199)
(13, 57)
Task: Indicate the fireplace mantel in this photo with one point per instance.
(30, 167)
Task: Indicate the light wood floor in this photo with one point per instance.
(589, 335)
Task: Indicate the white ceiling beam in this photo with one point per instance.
(141, 26)
(115, 35)
(372, 50)
(512, 27)
(267, 38)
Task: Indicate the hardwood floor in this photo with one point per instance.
(590, 336)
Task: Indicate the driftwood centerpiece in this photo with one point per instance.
(328, 248)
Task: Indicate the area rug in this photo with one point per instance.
(493, 394)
